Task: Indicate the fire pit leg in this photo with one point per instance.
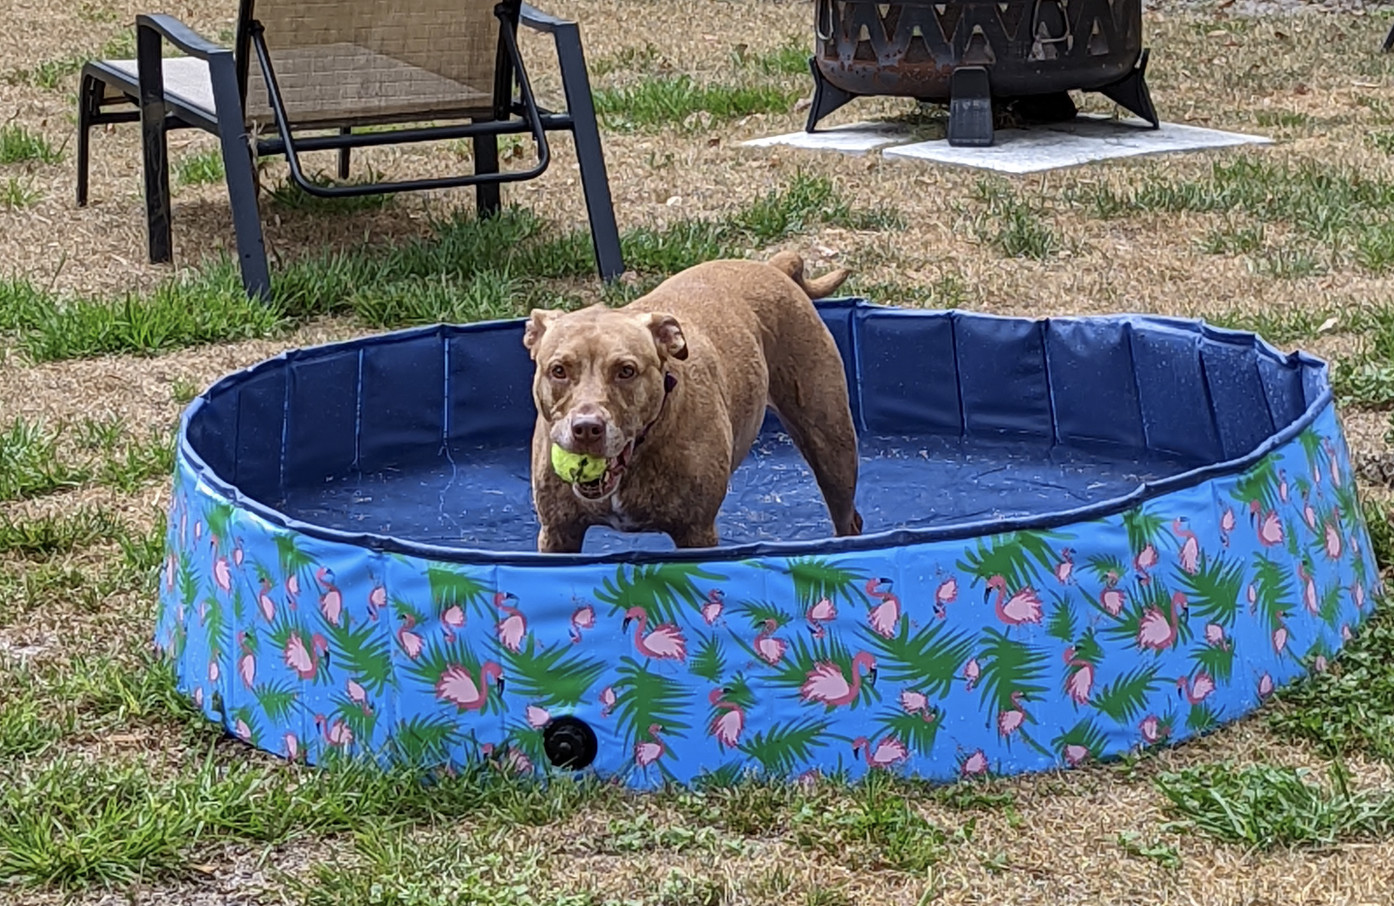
(970, 108)
(1131, 92)
(827, 97)
(1389, 40)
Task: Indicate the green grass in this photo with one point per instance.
(682, 102)
(629, 59)
(1264, 806)
(786, 59)
(28, 462)
(200, 168)
(288, 194)
(30, 465)
(18, 145)
(45, 536)
(15, 194)
(1016, 227)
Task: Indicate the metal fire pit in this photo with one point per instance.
(1028, 54)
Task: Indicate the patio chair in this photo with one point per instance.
(309, 75)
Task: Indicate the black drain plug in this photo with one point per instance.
(569, 742)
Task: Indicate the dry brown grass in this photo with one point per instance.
(1058, 844)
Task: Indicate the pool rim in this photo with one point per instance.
(820, 547)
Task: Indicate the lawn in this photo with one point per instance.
(113, 790)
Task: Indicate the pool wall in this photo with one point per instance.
(977, 649)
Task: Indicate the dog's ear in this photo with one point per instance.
(538, 323)
(667, 333)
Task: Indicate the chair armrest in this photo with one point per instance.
(179, 34)
(537, 20)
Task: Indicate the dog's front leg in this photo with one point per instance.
(564, 539)
(695, 536)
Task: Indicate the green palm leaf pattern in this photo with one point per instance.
(1273, 585)
(1347, 503)
(1143, 528)
(786, 745)
(1216, 660)
(662, 590)
(816, 578)
(930, 658)
(437, 655)
(277, 699)
(453, 587)
(1312, 445)
(292, 560)
(219, 639)
(1201, 718)
(724, 777)
(644, 698)
(424, 741)
(218, 519)
(1086, 734)
(758, 612)
(1011, 556)
(917, 731)
(1007, 666)
(188, 581)
(249, 720)
(552, 677)
(1143, 598)
(1062, 624)
(1330, 611)
(1088, 648)
(1104, 567)
(1259, 483)
(709, 662)
(1215, 591)
(363, 654)
(1124, 698)
(361, 722)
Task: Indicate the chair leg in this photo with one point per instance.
(241, 178)
(595, 183)
(86, 108)
(154, 147)
(344, 154)
(487, 195)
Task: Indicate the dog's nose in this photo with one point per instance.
(587, 428)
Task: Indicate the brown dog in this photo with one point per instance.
(672, 390)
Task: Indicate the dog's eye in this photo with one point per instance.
(626, 372)
(558, 372)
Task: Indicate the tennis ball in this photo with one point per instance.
(577, 467)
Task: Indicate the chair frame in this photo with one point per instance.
(159, 112)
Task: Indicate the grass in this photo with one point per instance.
(18, 145)
(31, 464)
(200, 168)
(680, 99)
(44, 536)
(15, 194)
(1013, 226)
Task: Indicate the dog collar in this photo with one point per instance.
(669, 382)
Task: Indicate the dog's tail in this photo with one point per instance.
(791, 264)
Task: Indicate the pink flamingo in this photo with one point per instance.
(1252, 594)
(887, 752)
(338, 734)
(665, 641)
(1357, 594)
(237, 554)
(821, 611)
(915, 702)
(1309, 588)
(1331, 462)
(1280, 635)
(243, 731)
(971, 672)
(582, 617)
(451, 619)
(359, 696)
(726, 727)
(884, 617)
(974, 765)
(716, 600)
(1112, 597)
(457, 687)
(291, 742)
(1153, 731)
(213, 670)
(222, 574)
(1270, 529)
(607, 700)
(1319, 663)
(1065, 566)
(268, 606)
(1075, 753)
(1333, 541)
(1226, 525)
(1145, 560)
(1199, 689)
(331, 603)
(646, 753)
(536, 717)
(305, 661)
(293, 587)
(170, 563)
(246, 662)
(827, 683)
(1155, 631)
(1309, 515)
(1022, 607)
(377, 601)
(944, 595)
(1080, 682)
(1010, 720)
(1283, 485)
(1215, 635)
(198, 696)
(510, 759)
(1346, 634)
(1265, 685)
(410, 642)
(1190, 549)
(513, 627)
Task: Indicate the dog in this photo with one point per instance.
(672, 390)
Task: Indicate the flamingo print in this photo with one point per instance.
(1145, 560)
(411, 642)
(243, 731)
(377, 601)
(1215, 636)
(664, 642)
(246, 661)
(886, 753)
(305, 661)
(514, 626)
(915, 703)
(971, 672)
(827, 683)
(1227, 523)
(1333, 541)
(1199, 688)
(648, 752)
(1265, 685)
(536, 717)
(1112, 597)
(264, 602)
(222, 575)
(1331, 461)
(944, 595)
(1075, 753)
(1155, 631)
(582, 617)
(819, 612)
(171, 562)
(507, 758)
(1010, 720)
(1153, 730)
(771, 650)
(1080, 681)
(975, 765)
(331, 603)
(1282, 485)
(452, 619)
(1309, 588)
(1270, 529)
(726, 727)
(458, 688)
(1190, 548)
(1280, 634)
(1065, 566)
(359, 696)
(237, 554)
(885, 616)
(337, 734)
(1022, 607)
(291, 746)
(607, 700)
(711, 610)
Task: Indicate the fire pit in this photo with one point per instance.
(1025, 54)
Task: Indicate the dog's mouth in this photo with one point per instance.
(606, 484)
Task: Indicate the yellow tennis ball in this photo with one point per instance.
(576, 467)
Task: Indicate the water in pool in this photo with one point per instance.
(480, 498)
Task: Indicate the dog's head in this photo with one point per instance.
(600, 380)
